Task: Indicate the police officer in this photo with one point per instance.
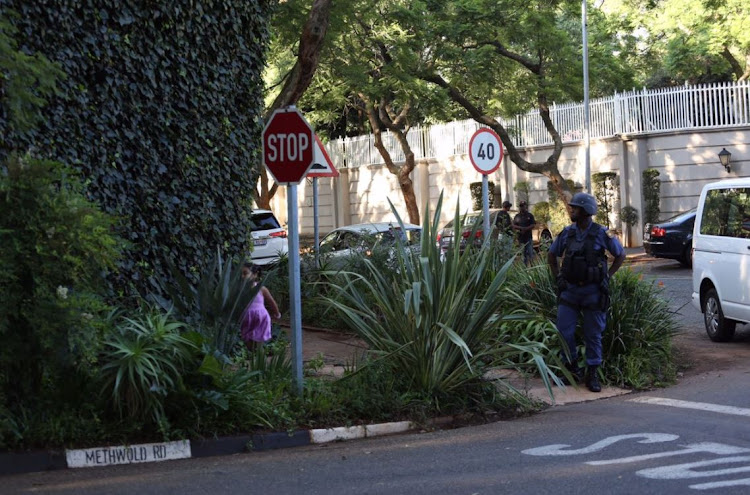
(583, 283)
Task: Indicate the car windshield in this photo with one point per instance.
(681, 217)
(263, 221)
(411, 236)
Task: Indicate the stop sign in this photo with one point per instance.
(288, 146)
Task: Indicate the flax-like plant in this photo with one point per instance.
(213, 305)
(432, 319)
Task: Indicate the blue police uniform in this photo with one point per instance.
(585, 297)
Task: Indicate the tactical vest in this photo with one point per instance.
(582, 264)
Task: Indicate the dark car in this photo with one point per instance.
(672, 238)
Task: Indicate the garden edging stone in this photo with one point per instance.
(19, 463)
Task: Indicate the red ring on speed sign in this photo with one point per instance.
(485, 151)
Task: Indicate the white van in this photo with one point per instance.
(721, 257)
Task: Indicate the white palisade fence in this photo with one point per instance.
(707, 106)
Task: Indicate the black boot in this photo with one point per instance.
(576, 371)
(592, 379)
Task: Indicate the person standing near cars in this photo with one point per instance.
(523, 223)
(583, 284)
(503, 221)
(503, 225)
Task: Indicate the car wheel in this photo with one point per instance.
(718, 328)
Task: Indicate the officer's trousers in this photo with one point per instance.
(582, 299)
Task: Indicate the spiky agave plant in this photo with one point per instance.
(432, 319)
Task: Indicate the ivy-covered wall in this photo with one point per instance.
(160, 110)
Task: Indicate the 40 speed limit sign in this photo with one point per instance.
(485, 151)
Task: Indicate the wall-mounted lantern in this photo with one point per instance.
(726, 158)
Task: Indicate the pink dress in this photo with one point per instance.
(256, 322)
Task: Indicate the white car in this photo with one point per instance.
(721, 257)
(364, 238)
(269, 238)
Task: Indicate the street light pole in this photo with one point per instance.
(586, 114)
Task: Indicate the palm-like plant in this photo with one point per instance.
(143, 361)
(432, 319)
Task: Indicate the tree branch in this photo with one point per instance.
(534, 67)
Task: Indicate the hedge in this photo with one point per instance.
(160, 111)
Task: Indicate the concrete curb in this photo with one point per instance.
(19, 463)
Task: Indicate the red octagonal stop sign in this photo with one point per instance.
(288, 146)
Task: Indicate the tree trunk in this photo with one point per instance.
(297, 81)
(401, 172)
(548, 168)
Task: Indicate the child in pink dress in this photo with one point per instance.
(255, 327)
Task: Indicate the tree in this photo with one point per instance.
(698, 41)
(505, 57)
(294, 83)
(478, 58)
(369, 73)
(381, 57)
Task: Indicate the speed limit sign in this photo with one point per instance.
(485, 151)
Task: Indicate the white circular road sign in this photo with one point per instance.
(485, 151)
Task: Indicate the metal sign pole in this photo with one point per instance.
(295, 306)
(486, 206)
(315, 222)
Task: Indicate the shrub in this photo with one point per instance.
(629, 215)
(651, 193)
(541, 211)
(476, 195)
(143, 361)
(214, 304)
(522, 189)
(636, 342)
(55, 246)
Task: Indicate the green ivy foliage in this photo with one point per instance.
(476, 195)
(160, 111)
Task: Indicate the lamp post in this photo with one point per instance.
(725, 157)
(586, 115)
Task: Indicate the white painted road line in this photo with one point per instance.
(702, 406)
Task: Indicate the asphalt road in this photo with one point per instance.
(690, 438)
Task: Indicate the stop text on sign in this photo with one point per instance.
(283, 147)
(288, 146)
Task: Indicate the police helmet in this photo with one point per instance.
(585, 201)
